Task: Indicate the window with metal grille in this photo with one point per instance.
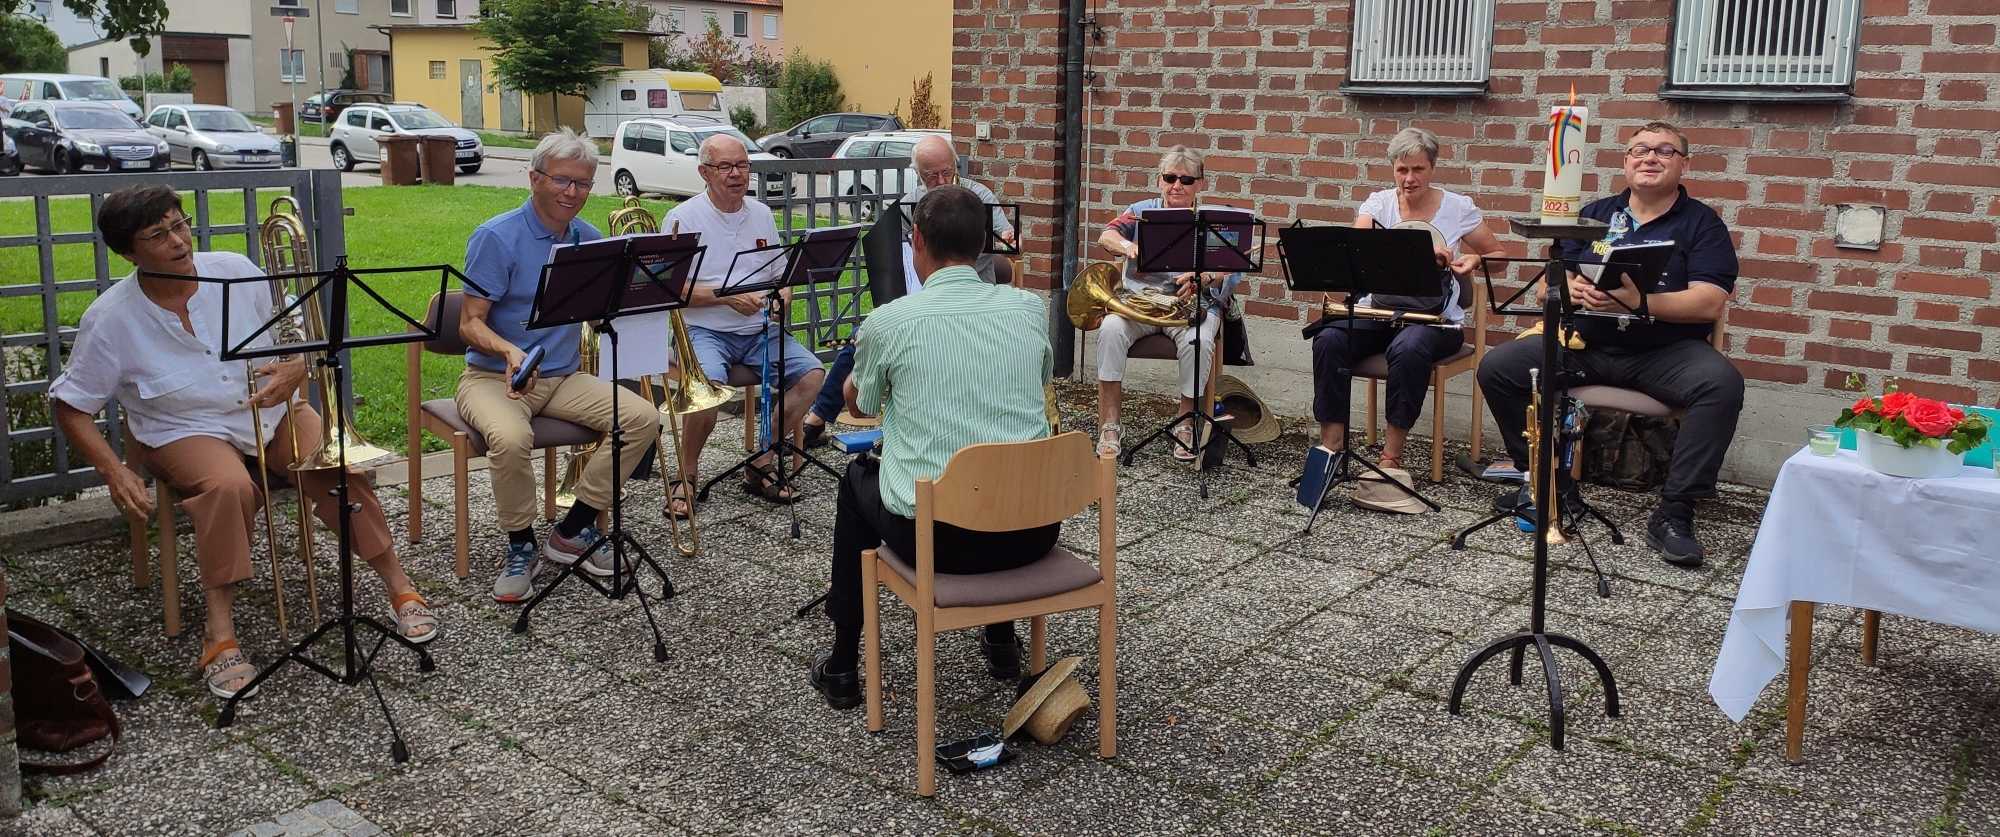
(291, 65)
(1792, 49)
(437, 69)
(1427, 47)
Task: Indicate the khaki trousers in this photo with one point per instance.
(219, 492)
(505, 423)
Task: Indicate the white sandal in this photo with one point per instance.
(1108, 439)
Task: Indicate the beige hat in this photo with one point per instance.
(1373, 492)
(1050, 705)
(1251, 421)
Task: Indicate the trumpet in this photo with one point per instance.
(1536, 456)
(1330, 308)
(1097, 293)
(283, 243)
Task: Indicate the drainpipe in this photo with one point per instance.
(1061, 333)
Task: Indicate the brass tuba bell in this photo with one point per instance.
(1097, 293)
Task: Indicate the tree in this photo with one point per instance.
(26, 46)
(923, 109)
(138, 20)
(552, 46)
(717, 54)
(806, 88)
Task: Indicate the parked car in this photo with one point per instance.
(660, 156)
(879, 144)
(65, 137)
(821, 135)
(339, 100)
(10, 158)
(664, 94)
(353, 137)
(64, 87)
(213, 137)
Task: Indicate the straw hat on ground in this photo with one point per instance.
(1050, 703)
(1251, 421)
(1373, 492)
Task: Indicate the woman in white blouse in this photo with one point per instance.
(1410, 350)
(153, 343)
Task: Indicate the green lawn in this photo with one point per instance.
(412, 225)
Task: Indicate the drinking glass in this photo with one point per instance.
(1823, 439)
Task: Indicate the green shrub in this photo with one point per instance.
(745, 120)
(806, 89)
(178, 79)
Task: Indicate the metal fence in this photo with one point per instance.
(822, 193)
(35, 460)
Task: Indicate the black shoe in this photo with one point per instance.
(1671, 531)
(1515, 500)
(842, 690)
(816, 436)
(1003, 659)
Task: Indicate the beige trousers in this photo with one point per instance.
(220, 494)
(506, 424)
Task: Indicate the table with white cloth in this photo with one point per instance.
(1836, 532)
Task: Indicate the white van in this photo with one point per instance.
(632, 94)
(63, 87)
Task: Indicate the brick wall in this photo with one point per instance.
(1255, 85)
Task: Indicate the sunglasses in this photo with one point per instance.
(1183, 179)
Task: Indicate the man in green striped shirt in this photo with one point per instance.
(960, 364)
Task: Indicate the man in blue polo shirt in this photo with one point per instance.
(1669, 359)
(504, 259)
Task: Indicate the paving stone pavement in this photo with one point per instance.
(1269, 684)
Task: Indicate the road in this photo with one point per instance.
(496, 171)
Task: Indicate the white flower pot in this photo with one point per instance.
(1882, 454)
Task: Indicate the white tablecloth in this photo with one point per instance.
(1836, 532)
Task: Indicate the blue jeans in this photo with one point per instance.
(831, 398)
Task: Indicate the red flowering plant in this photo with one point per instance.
(1910, 421)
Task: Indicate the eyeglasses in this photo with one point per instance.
(564, 184)
(1183, 179)
(1666, 152)
(728, 168)
(176, 227)
(936, 176)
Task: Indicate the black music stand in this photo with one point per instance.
(356, 666)
(601, 280)
(1198, 241)
(1556, 309)
(818, 256)
(995, 245)
(1357, 262)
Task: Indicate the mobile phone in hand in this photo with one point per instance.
(527, 371)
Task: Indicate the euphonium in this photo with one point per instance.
(282, 242)
(1097, 293)
(1536, 455)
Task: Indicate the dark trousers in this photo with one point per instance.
(1689, 374)
(831, 397)
(860, 522)
(1411, 352)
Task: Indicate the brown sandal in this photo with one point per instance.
(680, 491)
(222, 664)
(762, 483)
(412, 614)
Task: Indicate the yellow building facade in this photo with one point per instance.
(878, 48)
(449, 69)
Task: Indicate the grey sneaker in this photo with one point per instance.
(516, 575)
(565, 551)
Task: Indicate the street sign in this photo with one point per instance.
(291, 11)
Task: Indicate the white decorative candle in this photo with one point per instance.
(1562, 176)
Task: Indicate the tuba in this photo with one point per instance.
(282, 242)
(1097, 293)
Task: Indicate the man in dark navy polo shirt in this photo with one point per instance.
(1670, 359)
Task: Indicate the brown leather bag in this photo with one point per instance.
(57, 705)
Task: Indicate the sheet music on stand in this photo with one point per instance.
(808, 259)
(660, 265)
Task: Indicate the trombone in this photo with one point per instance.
(283, 243)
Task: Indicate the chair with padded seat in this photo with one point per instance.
(1158, 346)
(994, 488)
(1603, 397)
(1375, 368)
(440, 417)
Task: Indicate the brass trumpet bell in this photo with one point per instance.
(1096, 294)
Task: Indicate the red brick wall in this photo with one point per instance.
(1255, 85)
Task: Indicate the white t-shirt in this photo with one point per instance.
(1456, 218)
(172, 384)
(725, 234)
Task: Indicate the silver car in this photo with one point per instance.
(353, 138)
(213, 137)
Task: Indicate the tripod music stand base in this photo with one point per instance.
(1218, 434)
(1544, 644)
(1617, 537)
(1339, 475)
(364, 671)
(619, 542)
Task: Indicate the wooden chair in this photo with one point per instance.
(440, 417)
(992, 488)
(1376, 369)
(1599, 396)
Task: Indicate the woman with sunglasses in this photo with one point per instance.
(1181, 175)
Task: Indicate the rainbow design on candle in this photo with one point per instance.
(1560, 119)
(1562, 173)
